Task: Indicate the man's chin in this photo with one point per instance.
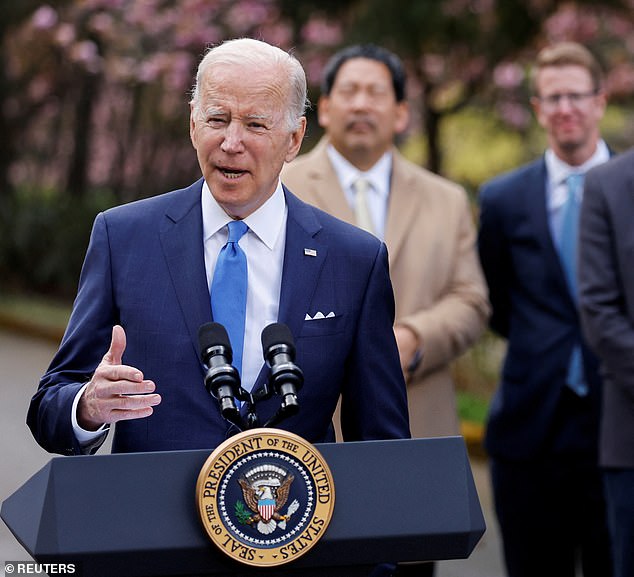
(359, 144)
(571, 145)
(232, 200)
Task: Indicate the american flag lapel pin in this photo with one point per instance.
(310, 252)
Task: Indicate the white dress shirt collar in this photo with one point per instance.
(558, 171)
(266, 222)
(379, 175)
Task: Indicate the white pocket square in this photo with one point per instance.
(319, 315)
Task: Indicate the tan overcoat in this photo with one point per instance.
(439, 288)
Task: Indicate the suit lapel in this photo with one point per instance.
(536, 207)
(325, 186)
(403, 206)
(182, 242)
(303, 261)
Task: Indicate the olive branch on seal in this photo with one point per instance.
(242, 513)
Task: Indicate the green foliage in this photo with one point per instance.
(44, 239)
(477, 145)
(472, 408)
(28, 309)
(617, 127)
(478, 369)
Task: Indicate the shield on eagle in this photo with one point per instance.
(266, 508)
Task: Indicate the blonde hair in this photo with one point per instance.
(568, 54)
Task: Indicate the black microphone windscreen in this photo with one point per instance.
(212, 335)
(277, 334)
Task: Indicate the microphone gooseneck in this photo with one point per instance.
(222, 379)
(285, 378)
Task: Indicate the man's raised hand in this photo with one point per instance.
(116, 392)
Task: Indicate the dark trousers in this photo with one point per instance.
(551, 514)
(619, 493)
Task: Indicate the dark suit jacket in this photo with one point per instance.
(532, 413)
(145, 270)
(606, 287)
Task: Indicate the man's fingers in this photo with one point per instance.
(94, 409)
(123, 376)
(121, 415)
(124, 407)
(110, 387)
(114, 355)
(134, 402)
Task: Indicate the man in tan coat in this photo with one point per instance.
(425, 220)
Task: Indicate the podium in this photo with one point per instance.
(135, 515)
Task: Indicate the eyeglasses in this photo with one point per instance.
(575, 99)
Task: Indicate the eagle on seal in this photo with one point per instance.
(265, 495)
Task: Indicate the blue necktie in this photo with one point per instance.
(229, 290)
(568, 253)
(569, 232)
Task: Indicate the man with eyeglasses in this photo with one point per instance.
(542, 432)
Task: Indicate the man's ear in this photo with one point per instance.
(536, 105)
(297, 137)
(402, 117)
(323, 111)
(192, 124)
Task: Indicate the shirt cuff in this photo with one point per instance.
(88, 440)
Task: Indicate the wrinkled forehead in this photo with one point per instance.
(267, 87)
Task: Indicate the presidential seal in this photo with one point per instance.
(265, 497)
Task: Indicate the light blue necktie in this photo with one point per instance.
(568, 253)
(229, 290)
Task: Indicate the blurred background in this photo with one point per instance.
(94, 111)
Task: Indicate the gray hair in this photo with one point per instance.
(258, 53)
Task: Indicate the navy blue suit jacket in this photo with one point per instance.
(144, 269)
(532, 413)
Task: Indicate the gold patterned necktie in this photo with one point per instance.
(361, 187)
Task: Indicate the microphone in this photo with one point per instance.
(222, 379)
(286, 378)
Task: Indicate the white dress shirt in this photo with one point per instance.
(556, 187)
(378, 176)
